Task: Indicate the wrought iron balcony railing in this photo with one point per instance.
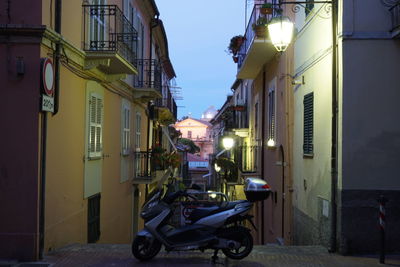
(145, 164)
(247, 158)
(236, 119)
(395, 12)
(149, 74)
(107, 29)
(175, 109)
(249, 35)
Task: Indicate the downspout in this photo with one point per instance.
(57, 28)
(334, 149)
(152, 25)
(262, 155)
(43, 141)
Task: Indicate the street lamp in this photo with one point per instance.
(228, 142)
(280, 31)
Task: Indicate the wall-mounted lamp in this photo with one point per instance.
(298, 81)
(271, 143)
(228, 142)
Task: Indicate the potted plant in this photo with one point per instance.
(235, 43)
(235, 59)
(266, 9)
(158, 157)
(260, 26)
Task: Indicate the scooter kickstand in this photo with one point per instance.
(214, 258)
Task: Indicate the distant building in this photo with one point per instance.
(199, 132)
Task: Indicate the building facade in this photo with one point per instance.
(72, 167)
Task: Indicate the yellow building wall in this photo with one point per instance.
(66, 210)
(116, 197)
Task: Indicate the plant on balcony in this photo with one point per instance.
(235, 43)
(173, 159)
(165, 117)
(158, 156)
(260, 26)
(229, 168)
(266, 8)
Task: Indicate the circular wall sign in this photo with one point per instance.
(48, 76)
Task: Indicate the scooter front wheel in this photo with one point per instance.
(144, 248)
(241, 235)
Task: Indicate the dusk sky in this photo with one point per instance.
(198, 35)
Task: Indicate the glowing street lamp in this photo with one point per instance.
(280, 31)
(228, 142)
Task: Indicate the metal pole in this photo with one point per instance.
(382, 201)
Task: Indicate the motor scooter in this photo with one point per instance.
(217, 227)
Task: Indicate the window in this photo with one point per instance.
(126, 128)
(97, 25)
(308, 148)
(309, 6)
(138, 131)
(189, 135)
(95, 125)
(93, 218)
(271, 114)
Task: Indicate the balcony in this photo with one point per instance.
(147, 170)
(256, 50)
(236, 120)
(167, 105)
(147, 82)
(395, 12)
(247, 158)
(110, 40)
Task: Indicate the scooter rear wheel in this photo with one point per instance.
(239, 234)
(145, 249)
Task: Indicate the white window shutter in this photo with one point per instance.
(95, 125)
(126, 128)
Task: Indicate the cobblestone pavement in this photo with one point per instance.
(271, 255)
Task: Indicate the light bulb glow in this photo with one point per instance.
(280, 31)
(228, 142)
(271, 142)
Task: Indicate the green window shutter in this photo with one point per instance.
(95, 125)
(308, 147)
(271, 115)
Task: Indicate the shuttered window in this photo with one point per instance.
(271, 115)
(126, 129)
(138, 131)
(95, 125)
(308, 147)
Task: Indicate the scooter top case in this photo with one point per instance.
(256, 189)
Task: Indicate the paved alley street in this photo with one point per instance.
(271, 255)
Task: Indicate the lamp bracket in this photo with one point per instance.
(297, 4)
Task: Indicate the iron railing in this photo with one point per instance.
(175, 109)
(107, 29)
(236, 119)
(247, 158)
(149, 74)
(250, 34)
(145, 163)
(395, 11)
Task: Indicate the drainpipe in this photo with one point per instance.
(334, 149)
(153, 24)
(58, 7)
(43, 141)
(262, 155)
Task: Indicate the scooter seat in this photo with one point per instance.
(202, 212)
